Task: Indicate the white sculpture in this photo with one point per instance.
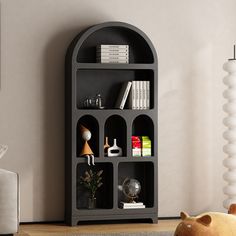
(230, 133)
(86, 150)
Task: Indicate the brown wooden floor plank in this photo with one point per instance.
(53, 229)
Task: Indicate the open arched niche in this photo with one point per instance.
(143, 126)
(91, 124)
(140, 48)
(115, 128)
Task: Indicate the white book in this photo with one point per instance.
(116, 54)
(132, 98)
(113, 57)
(134, 104)
(133, 207)
(124, 92)
(109, 46)
(131, 204)
(113, 61)
(148, 94)
(141, 95)
(112, 50)
(144, 95)
(137, 95)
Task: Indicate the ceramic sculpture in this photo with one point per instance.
(86, 150)
(209, 224)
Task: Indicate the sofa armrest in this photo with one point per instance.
(9, 202)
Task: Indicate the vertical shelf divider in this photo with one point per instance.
(101, 138)
(129, 136)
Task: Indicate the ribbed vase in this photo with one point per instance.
(230, 134)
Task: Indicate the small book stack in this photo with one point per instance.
(112, 53)
(135, 205)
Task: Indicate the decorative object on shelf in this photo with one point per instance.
(93, 102)
(141, 146)
(86, 150)
(132, 205)
(146, 146)
(112, 53)
(136, 146)
(230, 133)
(209, 223)
(3, 150)
(92, 202)
(131, 188)
(106, 146)
(114, 151)
(92, 181)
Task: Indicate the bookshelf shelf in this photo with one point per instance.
(107, 112)
(107, 66)
(116, 160)
(86, 78)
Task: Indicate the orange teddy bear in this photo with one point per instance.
(209, 224)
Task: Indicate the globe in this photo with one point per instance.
(131, 188)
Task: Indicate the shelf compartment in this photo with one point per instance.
(116, 128)
(139, 50)
(143, 172)
(108, 83)
(143, 126)
(104, 193)
(91, 124)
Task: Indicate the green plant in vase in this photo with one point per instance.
(92, 181)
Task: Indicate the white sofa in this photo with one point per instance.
(9, 202)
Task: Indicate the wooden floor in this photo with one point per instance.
(53, 229)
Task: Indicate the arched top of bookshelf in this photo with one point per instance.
(83, 47)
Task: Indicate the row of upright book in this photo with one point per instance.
(136, 94)
(112, 53)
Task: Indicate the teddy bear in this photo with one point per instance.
(209, 224)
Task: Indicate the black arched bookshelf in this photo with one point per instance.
(84, 78)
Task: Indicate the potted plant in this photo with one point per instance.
(92, 181)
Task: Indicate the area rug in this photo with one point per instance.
(161, 233)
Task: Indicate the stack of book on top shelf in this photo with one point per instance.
(112, 53)
(137, 93)
(135, 205)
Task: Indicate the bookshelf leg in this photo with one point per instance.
(154, 220)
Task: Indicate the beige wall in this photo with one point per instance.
(193, 39)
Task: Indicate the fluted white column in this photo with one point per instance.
(230, 133)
